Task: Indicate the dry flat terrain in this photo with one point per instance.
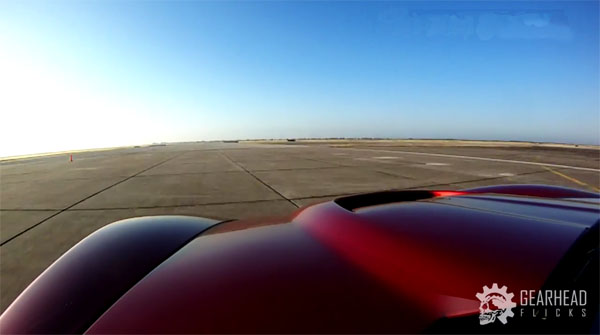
(47, 203)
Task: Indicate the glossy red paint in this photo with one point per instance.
(434, 252)
(544, 191)
(275, 279)
(447, 193)
(557, 210)
(389, 268)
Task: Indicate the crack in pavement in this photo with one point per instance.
(290, 200)
(86, 198)
(265, 200)
(168, 206)
(259, 180)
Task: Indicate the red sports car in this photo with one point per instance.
(519, 258)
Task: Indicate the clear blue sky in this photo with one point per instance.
(102, 73)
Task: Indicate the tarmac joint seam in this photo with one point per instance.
(86, 198)
(258, 179)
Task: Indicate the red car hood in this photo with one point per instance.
(387, 268)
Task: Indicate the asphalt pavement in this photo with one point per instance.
(48, 204)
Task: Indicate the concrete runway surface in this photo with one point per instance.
(48, 204)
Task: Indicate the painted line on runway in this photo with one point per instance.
(482, 159)
(454, 183)
(575, 180)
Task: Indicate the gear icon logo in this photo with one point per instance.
(496, 303)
